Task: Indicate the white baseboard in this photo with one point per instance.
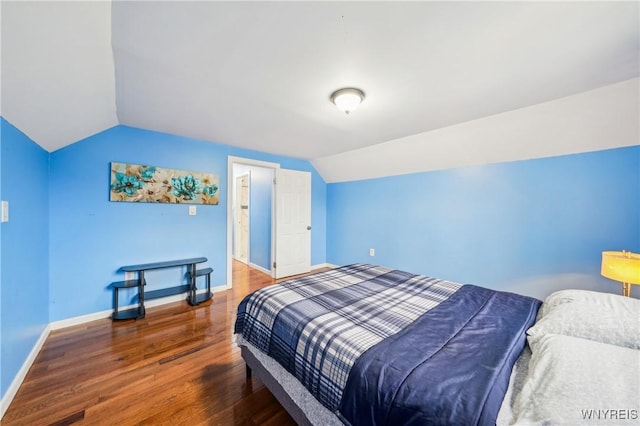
(22, 373)
(68, 322)
(260, 268)
(56, 325)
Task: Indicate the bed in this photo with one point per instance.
(364, 345)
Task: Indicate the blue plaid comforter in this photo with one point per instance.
(317, 326)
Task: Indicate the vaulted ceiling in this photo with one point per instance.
(259, 75)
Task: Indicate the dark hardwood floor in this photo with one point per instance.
(178, 366)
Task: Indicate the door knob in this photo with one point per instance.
(308, 228)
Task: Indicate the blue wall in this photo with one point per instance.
(91, 237)
(25, 250)
(260, 216)
(528, 226)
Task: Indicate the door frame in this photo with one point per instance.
(236, 215)
(231, 160)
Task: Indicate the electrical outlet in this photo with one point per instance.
(192, 210)
(129, 276)
(372, 252)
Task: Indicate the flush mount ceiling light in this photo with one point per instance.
(347, 99)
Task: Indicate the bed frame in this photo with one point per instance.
(293, 396)
(276, 388)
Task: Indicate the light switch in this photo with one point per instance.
(5, 211)
(192, 210)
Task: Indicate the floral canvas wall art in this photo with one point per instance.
(150, 184)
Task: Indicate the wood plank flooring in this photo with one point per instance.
(178, 366)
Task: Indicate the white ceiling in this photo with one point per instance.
(259, 75)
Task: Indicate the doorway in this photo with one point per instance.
(286, 241)
(241, 218)
(259, 214)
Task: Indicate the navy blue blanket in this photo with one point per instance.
(451, 366)
(318, 325)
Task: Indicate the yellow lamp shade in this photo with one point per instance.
(621, 266)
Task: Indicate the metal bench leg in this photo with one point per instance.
(115, 301)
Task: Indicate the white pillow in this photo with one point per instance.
(578, 381)
(603, 317)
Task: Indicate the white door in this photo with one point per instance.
(241, 230)
(293, 223)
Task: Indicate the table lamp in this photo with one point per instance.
(622, 266)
